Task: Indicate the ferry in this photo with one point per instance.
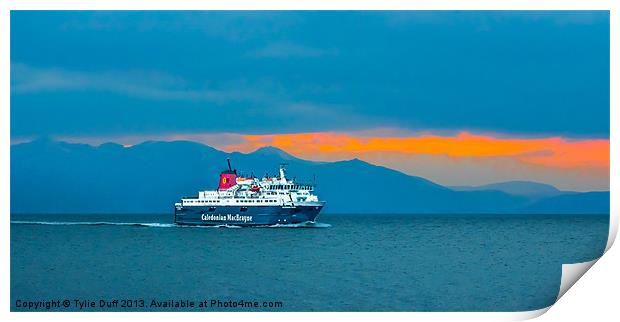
(250, 201)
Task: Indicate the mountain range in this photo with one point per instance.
(57, 177)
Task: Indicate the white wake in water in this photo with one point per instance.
(92, 223)
(307, 224)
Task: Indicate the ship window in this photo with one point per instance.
(211, 208)
(243, 209)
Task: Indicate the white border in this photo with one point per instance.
(603, 292)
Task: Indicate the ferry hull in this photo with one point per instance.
(251, 216)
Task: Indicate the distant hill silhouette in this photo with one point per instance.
(518, 188)
(596, 202)
(58, 177)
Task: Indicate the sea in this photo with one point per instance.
(382, 262)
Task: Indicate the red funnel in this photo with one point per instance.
(227, 180)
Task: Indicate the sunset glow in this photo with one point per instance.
(552, 152)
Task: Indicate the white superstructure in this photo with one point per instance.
(248, 192)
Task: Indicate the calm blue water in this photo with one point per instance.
(349, 263)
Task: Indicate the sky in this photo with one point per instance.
(460, 98)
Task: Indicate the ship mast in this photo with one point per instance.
(282, 171)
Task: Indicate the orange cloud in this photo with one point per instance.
(552, 152)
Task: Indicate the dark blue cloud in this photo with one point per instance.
(527, 73)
